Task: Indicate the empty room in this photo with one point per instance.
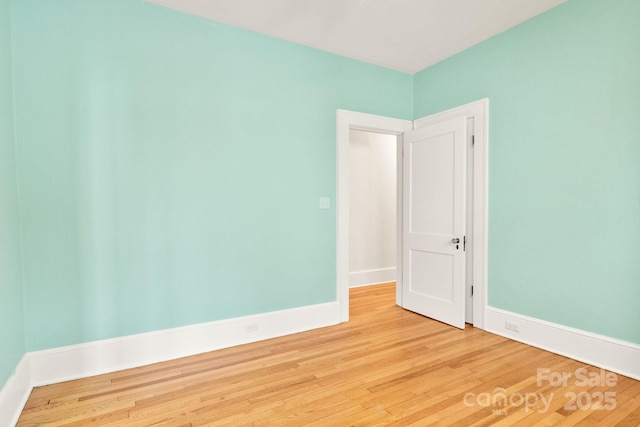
(181, 183)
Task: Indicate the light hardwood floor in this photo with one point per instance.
(387, 366)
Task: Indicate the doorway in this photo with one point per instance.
(372, 207)
(347, 120)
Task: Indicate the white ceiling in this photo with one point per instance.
(405, 35)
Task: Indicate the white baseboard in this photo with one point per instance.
(371, 277)
(604, 352)
(15, 393)
(99, 357)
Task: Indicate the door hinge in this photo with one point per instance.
(471, 290)
(464, 243)
(473, 139)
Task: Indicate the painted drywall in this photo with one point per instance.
(12, 343)
(564, 181)
(372, 205)
(171, 167)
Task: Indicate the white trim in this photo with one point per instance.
(480, 111)
(372, 277)
(14, 394)
(98, 357)
(598, 350)
(346, 120)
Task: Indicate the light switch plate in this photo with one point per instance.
(325, 203)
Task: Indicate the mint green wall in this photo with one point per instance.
(12, 343)
(170, 167)
(564, 180)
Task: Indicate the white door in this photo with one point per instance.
(434, 173)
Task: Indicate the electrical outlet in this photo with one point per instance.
(252, 327)
(512, 326)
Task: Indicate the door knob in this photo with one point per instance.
(455, 240)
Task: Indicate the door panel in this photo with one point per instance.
(436, 180)
(433, 216)
(431, 275)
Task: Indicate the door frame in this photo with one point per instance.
(346, 120)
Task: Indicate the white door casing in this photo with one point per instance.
(469, 226)
(434, 221)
